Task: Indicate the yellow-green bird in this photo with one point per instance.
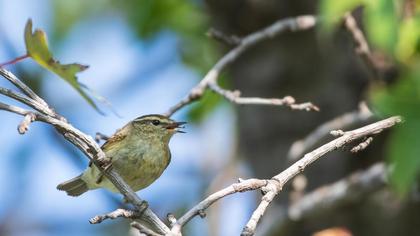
(139, 152)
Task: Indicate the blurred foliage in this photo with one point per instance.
(392, 27)
(148, 18)
(185, 18)
(37, 48)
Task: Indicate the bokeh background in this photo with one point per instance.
(144, 56)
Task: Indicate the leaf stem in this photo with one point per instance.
(14, 61)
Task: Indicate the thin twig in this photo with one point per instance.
(25, 100)
(244, 185)
(298, 23)
(100, 136)
(235, 97)
(362, 46)
(344, 121)
(24, 88)
(231, 40)
(361, 146)
(115, 214)
(27, 120)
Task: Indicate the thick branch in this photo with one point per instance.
(290, 24)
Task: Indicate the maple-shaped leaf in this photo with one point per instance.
(37, 48)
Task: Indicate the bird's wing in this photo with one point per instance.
(115, 138)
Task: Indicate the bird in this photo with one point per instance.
(139, 153)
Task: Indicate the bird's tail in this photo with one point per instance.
(74, 187)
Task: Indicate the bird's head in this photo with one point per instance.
(157, 126)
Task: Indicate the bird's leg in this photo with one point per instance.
(106, 165)
(140, 208)
(100, 178)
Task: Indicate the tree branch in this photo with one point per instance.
(242, 186)
(377, 66)
(235, 97)
(25, 89)
(276, 186)
(344, 121)
(209, 81)
(115, 214)
(144, 230)
(352, 187)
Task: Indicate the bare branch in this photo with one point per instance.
(250, 227)
(362, 47)
(24, 88)
(362, 145)
(298, 23)
(232, 40)
(344, 121)
(82, 141)
(115, 214)
(144, 230)
(244, 185)
(100, 136)
(171, 218)
(235, 97)
(27, 120)
(14, 109)
(337, 133)
(274, 187)
(352, 187)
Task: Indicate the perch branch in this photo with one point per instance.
(82, 141)
(210, 79)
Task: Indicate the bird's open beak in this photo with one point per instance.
(176, 126)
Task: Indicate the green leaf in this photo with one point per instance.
(404, 154)
(403, 98)
(205, 106)
(381, 21)
(37, 49)
(408, 39)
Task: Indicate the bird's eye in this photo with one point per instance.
(155, 122)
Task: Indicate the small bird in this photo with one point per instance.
(139, 152)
